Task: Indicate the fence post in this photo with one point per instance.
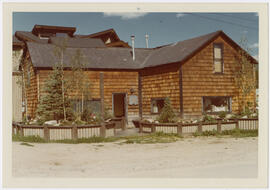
(153, 128)
(74, 132)
(179, 128)
(219, 125)
(200, 127)
(16, 131)
(140, 127)
(123, 123)
(102, 130)
(21, 131)
(46, 133)
(237, 123)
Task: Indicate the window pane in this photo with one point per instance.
(216, 104)
(218, 66)
(157, 105)
(217, 51)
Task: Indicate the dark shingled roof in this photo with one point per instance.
(28, 36)
(178, 51)
(77, 42)
(43, 55)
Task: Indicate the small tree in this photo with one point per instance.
(59, 52)
(244, 74)
(51, 105)
(79, 81)
(167, 114)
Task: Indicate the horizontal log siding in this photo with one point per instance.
(199, 79)
(31, 89)
(159, 83)
(114, 82)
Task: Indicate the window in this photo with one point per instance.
(93, 105)
(157, 104)
(61, 35)
(218, 58)
(214, 104)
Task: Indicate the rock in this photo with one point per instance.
(108, 120)
(228, 116)
(156, 122)
(195, 121)
(244, 117)
(150, 120)
(254, 115)
(51, 122)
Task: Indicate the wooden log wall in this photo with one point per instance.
(31, 88)
(160, 82)
(114, 82)
(199, 79)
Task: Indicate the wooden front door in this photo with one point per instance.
(119, 104)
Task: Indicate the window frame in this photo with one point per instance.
(216, 113)
(155, 99)
(220, 45)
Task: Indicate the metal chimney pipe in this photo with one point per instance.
(146, 39)
(133, 46)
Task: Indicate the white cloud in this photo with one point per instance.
(178, 15)
(255, 45)
(244, 32)
(125, 16)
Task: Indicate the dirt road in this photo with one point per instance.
(191, 157)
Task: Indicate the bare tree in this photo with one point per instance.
(245, 73)
(80, 82)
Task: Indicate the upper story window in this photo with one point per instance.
(61, 35)
(218, 58)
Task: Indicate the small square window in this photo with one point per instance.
(157, 104)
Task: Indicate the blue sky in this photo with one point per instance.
(162, 28)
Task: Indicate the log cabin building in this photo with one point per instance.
(197, 74)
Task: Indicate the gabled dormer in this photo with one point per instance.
(45, 32)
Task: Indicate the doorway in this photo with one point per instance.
(119, 104)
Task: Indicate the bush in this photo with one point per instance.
(86, 114)
(208, 118)
(167, 114)
(222, 115)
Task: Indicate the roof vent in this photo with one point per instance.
(146, 40)
(133, 48)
